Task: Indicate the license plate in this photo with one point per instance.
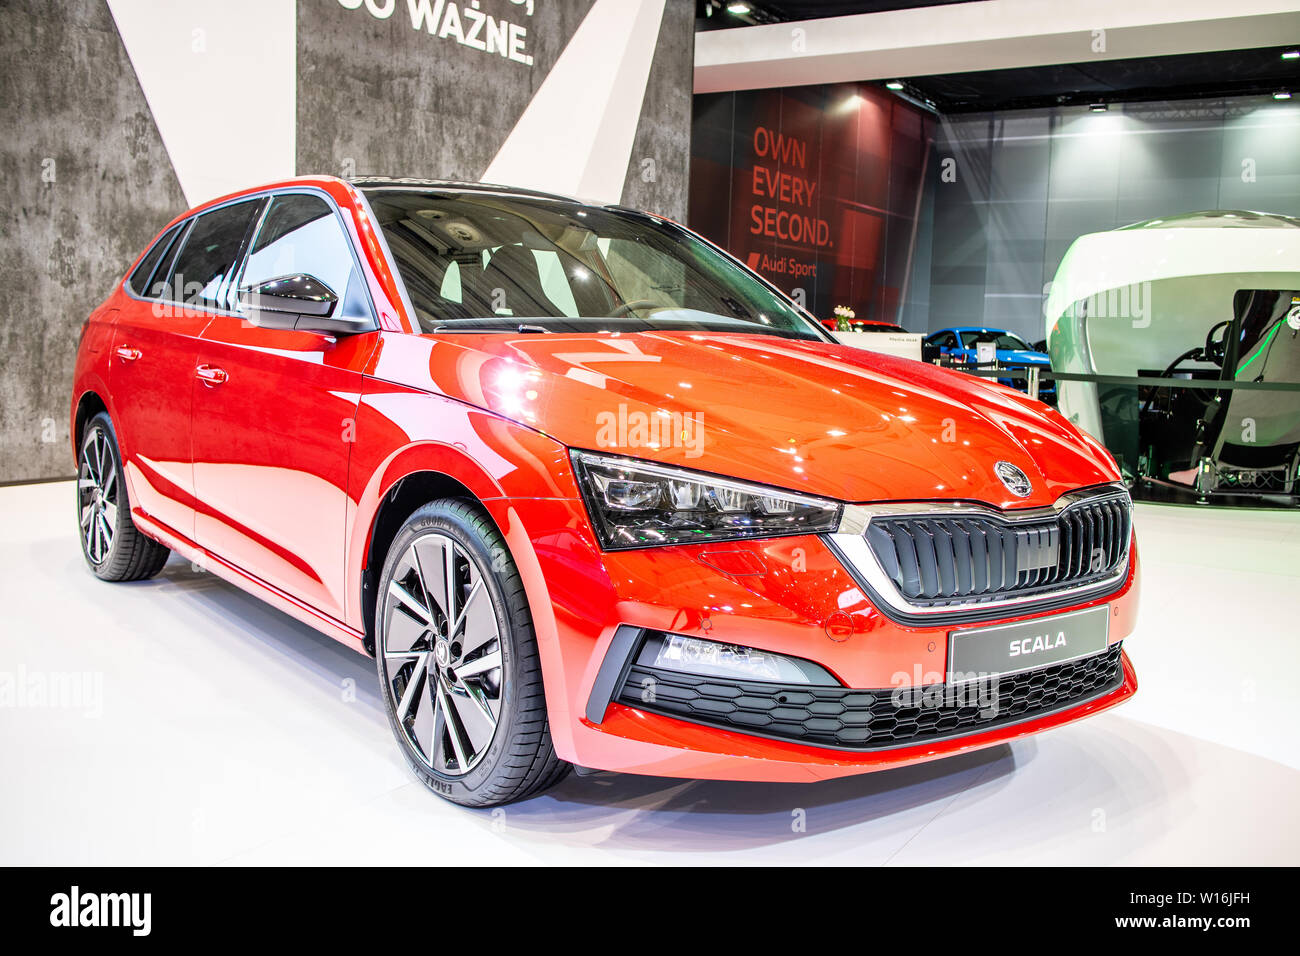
(984, 652)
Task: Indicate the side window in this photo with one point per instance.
(301, 235)
(203, 274)
(140, 277)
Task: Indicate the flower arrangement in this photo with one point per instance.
(844, 317)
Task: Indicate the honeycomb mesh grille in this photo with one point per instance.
(846, 719)
(938, 560)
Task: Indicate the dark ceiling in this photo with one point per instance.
(1194, 75)
(781, 11)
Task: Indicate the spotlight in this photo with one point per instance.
(1291, 55)
(894, 85)
(1282, 95)
(739, 9)
(1098, 107)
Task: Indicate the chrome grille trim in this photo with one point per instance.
(850, 541)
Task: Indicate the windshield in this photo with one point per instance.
(1003, 340)
(491, 262)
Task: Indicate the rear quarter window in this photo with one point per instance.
(140, 276)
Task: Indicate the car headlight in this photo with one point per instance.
(635, 504)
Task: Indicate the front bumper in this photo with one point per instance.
(790, 596)
(844, 718)
(674, 748)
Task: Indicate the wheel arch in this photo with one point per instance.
(404, 496)
(88, 406)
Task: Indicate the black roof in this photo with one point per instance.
(450, 185)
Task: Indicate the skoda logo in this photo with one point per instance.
(1017, 481)
(442, 653)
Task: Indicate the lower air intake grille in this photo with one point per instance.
(936, 559)
(846, 719)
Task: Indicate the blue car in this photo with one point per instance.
(959, 345)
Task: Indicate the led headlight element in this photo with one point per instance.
(691, 655)
(636, 504)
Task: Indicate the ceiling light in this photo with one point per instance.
(739, 9)
(1291, 55)
(1098, 107)
(1282, 95)
(894, 85)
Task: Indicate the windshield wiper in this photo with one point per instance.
(520, 327)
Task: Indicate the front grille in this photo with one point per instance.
(936, 560)
(846, 719)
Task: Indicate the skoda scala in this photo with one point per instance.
(592, 493)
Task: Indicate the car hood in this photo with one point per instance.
(817, 417)
(1023, 356)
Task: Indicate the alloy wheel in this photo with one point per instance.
(441, 647)
(97, 496)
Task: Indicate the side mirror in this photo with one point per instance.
(299, 302)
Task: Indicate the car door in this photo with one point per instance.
(275, 415)
(155, 347)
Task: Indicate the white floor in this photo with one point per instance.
(211, 729)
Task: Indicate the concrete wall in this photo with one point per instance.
(432, 107)
(378, 97)
(119, 114)
(87, 183)
(658, 171)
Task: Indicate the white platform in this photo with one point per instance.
(216, 730)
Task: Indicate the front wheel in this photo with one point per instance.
(458, 660)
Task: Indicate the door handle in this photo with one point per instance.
(127, 354)
(211, 375)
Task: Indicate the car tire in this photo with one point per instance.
(113, 546)
(458, 666)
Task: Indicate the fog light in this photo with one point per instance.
(690, 655)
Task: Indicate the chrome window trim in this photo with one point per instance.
(850, 542)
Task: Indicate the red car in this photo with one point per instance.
(592, 493)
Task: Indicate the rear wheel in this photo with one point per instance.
(113, 546)
(458, 661)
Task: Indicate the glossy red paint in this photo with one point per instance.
(273, 473)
